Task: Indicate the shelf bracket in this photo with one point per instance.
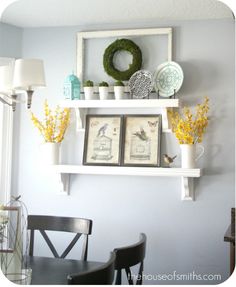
(165, 119)
(80, 118)
(187, 188)
(64, 183)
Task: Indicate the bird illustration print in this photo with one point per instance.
(102, 130)
(141, 134)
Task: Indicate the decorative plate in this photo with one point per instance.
(168, 79)
(141, 84)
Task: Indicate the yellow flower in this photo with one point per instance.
(189, 128)
(55, 123)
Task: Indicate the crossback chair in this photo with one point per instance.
(103, 275)
(129, 256)
(42, 223)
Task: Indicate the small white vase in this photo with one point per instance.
(103, 93)
(50, 153)
(119, 92)
(188, 155)
(88, 93)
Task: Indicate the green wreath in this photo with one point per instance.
(119, 45)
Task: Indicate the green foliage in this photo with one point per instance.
(116, 46)
(103, 84)
(119, 84)
(88, 83)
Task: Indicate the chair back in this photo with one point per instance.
(129, 256)
(103, 275)
(43, 223)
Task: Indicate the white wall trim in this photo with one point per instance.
(6, 152)
(6, 144)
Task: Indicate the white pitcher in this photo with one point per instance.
(50, 153)
(189, 155)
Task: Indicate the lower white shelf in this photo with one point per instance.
(187, 175)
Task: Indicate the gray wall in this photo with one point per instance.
(10, 41)
(182, 236)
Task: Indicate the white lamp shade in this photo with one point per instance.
(28, 74)
(6, 78)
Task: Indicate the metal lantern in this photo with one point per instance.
(72, 88)
(14, 242)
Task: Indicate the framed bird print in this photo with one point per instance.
(103, 139)
(142, 140)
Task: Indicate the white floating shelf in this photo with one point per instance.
(151, 103)
(127, 170)
(187, 175)
(81, 107)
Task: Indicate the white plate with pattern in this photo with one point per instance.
(168, 79)
(141, 84)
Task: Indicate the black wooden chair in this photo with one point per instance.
(129, 256)
(103, 275)
(80, 226)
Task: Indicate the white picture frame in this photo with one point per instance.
(82, 36)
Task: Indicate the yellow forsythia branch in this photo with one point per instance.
(54, 125)
(189, 128)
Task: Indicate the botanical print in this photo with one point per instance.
(142, 140)
(102, 142)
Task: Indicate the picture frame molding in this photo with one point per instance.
(82, 36)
